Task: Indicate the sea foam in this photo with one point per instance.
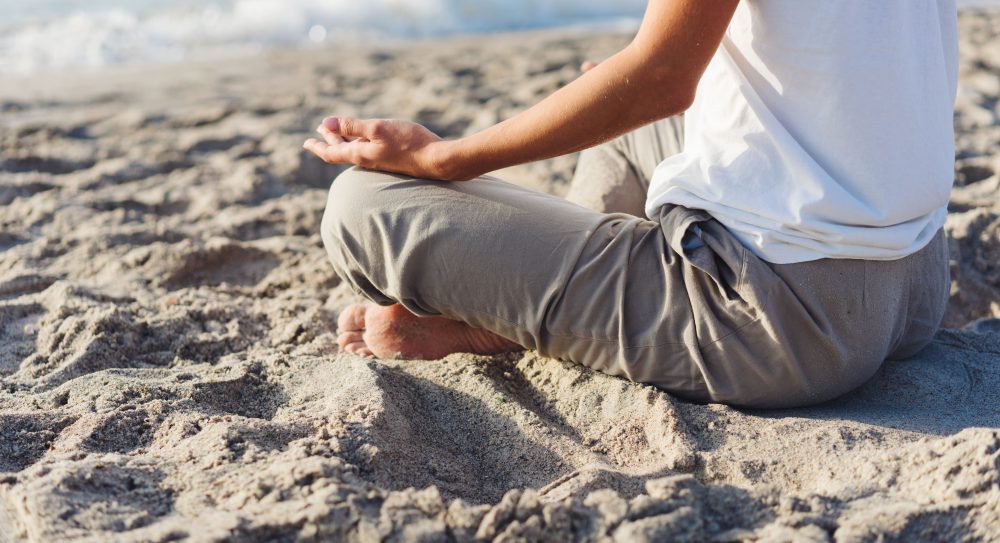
(46, 35)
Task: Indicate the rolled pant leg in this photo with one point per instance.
(485, 252)
(603, 290)
(624, 295)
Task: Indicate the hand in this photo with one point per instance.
(386, 145)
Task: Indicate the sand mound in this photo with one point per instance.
(168, 369)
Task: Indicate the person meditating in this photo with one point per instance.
(770, 248)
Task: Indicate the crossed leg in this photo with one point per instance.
(610, 178)
(485, 267)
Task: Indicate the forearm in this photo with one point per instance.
(652, 78)
(617, 96)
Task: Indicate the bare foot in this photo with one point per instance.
(587, 66)
(393, 332)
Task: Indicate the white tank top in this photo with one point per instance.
(823, 129)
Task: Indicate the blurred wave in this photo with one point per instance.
(44, 35)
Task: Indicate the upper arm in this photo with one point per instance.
(678, 38)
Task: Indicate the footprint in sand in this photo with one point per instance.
(216, 264)
(250, 395)
(24, 439)
(19, 328)
(97, 494)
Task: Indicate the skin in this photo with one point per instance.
(652, 78)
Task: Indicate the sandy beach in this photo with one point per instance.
(169, 369)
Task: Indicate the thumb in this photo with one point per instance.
(350, 127)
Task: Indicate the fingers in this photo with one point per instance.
(350, 128)
(343, 140)
(328, 136)
(317, 148)
(347, 152)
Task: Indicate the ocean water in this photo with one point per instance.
(47, 35)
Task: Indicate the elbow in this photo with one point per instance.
(671, 91)
(673, 97)
(684, 98)
(671, 84)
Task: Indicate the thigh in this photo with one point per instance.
(603, 290)
(486, 252)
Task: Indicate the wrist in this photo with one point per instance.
(446, 163)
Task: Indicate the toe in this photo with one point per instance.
(352, 318)
(354, 343)
(347, 338)
(359, 348)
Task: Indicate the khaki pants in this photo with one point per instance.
(621, 293)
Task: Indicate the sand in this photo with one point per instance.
(168, 368)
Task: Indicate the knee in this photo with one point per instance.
(349, 196)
